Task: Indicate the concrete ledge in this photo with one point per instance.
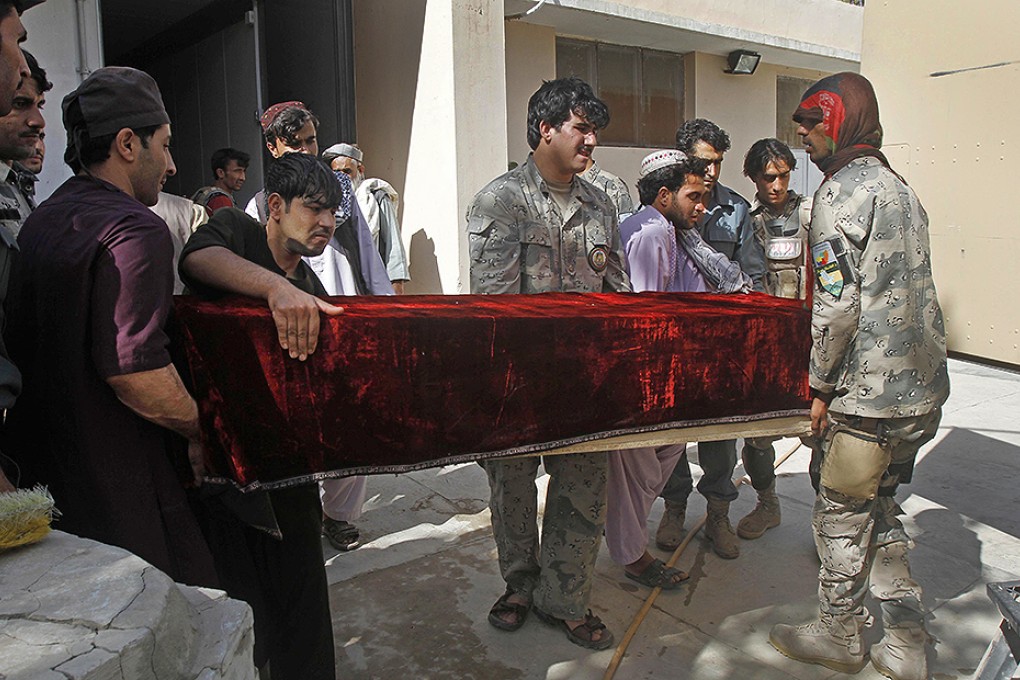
(74, 608)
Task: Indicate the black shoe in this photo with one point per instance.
(341, 535)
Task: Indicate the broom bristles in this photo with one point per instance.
(25, 516)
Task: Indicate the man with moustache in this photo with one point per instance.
(276, 567)
(105, 421)
(13, 69)
(879, 378)
(19, 133)
(665, 254)
(536, 229)
(725, 226)
(779, 220)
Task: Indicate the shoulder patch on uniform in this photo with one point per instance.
(827, 269)
(598, 258)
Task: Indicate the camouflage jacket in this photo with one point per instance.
(614, 186)
(879, 341)
(520, 243)
(15, 206)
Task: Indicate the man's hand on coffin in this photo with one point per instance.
(819, 415)
(296, 315)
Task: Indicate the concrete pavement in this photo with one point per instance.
(412, 601)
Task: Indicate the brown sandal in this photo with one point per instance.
(583, 634)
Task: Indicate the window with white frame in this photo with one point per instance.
(644, 89)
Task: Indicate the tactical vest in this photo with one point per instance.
(202, 196)
(785, 240)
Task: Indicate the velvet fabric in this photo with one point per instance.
(408, 382)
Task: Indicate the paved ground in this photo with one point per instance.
(412, 601)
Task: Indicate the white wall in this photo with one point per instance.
(53, 38)
(432, 119)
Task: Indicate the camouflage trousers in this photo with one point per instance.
(557, 575)
(861, 542)
(759, 457)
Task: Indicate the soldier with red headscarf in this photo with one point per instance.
(878, 376)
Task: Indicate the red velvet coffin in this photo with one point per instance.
(403, 383)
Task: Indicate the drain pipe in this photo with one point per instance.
(83, 51)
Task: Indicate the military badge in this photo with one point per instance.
(827, 268)
(598, 258)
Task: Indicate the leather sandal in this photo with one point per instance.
(504, 606)
(582, 634)
(658, 575)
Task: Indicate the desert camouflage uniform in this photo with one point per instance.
(784, 239)
(615, 187)
(879, 348)
(520, 243)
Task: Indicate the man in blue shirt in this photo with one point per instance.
(726, 226)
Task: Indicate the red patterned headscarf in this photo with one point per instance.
(846, 106)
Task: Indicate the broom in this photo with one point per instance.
(25, 516)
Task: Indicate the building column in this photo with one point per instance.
(432, 120)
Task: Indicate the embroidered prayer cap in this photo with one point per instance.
(114, 98)
(343, 149)
(270, 114)
(661, 159)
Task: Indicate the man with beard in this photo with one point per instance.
(20, 131)
(378, 201)
(725, 226)
(879, 378)
(104, 416)
(664, 254)
(276, 567)
(538, 229)
(13, 69)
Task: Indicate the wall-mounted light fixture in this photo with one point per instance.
(742, 62)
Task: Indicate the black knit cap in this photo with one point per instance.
(23, 5)
(114, 98)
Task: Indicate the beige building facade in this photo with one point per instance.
(442, 89)
(945, 87)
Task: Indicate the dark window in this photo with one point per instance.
(644, 89)
(788, 94)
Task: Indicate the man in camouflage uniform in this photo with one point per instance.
(779, 220)
(615, 187)
(879, 378)
(540, 229)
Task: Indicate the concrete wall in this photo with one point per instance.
(530, 59)
(431, 119)
(54, 39)
(952, 138)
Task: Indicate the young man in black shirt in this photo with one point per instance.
(283, 578)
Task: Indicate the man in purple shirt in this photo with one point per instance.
(104, 419)
(664, 254)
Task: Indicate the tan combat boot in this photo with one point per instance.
(902, 653)
(764, 516)
(719, 531)
(671, 532)
(827, 642)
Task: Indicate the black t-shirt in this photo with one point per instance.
(236, 231)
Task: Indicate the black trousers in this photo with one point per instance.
(284, 582)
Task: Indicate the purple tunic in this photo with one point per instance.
(656, 262)
(93, 293)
